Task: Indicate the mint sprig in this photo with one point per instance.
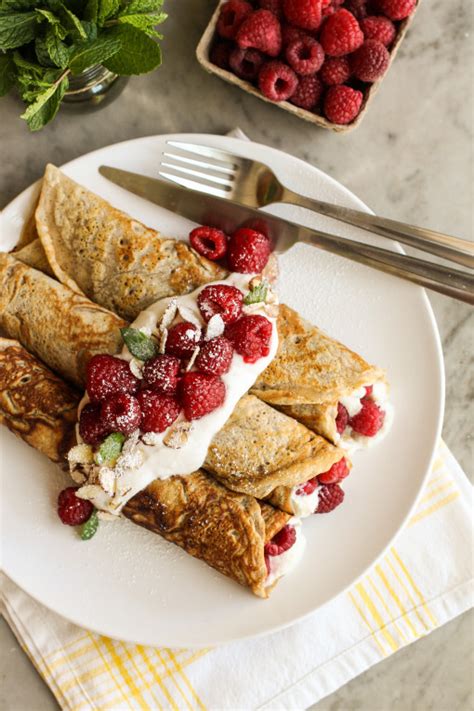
(139, 344)
(257, 294)
(109, 450)
(43, 43)
(89, 528)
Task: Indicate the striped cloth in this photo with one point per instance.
(423, 581)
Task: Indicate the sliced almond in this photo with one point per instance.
(215, 327)
(89, 491)
(151, 438)
(188, 314)
(107, 480)
(77, 473)
(169, 314)
(193, 358)
(136, 366)
(178, 435)
(81, 454)
(163, 339)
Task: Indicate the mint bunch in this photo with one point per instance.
(43, 43)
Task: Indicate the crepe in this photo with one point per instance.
(116, 261)
(34, 256)
(225, 529)
(311, 373)
(59, 326)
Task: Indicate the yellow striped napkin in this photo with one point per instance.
(423, 581)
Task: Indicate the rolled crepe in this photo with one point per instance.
(225, 529)
(62, 328)
(103, 253)
(34, 256)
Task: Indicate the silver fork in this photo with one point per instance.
(254, 184)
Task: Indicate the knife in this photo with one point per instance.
(229, 216)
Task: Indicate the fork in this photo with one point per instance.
(254, 184)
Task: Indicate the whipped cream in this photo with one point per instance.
(145, 458)
(304, 504)
(352, 441)
(284, 563)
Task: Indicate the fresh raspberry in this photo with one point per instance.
(342, 418)
(330, 7)
(303, 13)
(369, 389)
(357, 7)
(158, 411)
(330, 496)
(282, 541)
(215, 356)
(231, 16)
(308, 93)
(369, 420)
(107, 375)
(274, 6)
(342, 104)
(220, 54)
(209, 242)
(305, 56)
(92, 428)
(201, 394)
(396, 9)
(260, 30)
(222, 299)
(246, 63)
(289, 34)
(121, 413)
(248, 250)
(71, 509)
(277, 81)
(336, 473)
(378, 27)
(161, 373)
(308, 487)
(250, 336)
(341, 34)
(370, 61)
(335, 70)
(182, 339)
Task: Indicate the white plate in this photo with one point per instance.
(130, 584)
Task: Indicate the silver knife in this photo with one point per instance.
(228, 216)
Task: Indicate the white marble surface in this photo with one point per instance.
(411, 159)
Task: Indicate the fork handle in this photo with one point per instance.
(452, 248)
(437, 277)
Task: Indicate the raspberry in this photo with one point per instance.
(161, 373)
(92, 428)
(378, 27)
(221, 299)
(220, 54)
(182, 339)
(336, 473)
(335, 70)
(277, 81)
(246, 63)
(121, 413)
(308, 93)
(396, 9)
(369, 420)
(342, 418)
(303, 13)
(305, 56)
(342, 104)
(215, 356)
(290, 34)
(330, 7)
(370, 61)
(274, 6)
(248, 250)
(357, 7)
(369, 389)
(250, 336)
(308, 487)
(282, 541)
(107, 375)
(330, 496)
(231, 16)
(209, 242)
(158, 411)
(260, 30)
(341, 34)
(71, 509)
(201, 394)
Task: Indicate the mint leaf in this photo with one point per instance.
(91, 11)
(89, 528)
(110, 448)
(7, 73)
(85, 54)
(145, 23)
(107, 9)
(139, 54)
(57, 50)
(45, 106)
(257, 294)
(140, 345)
(90, 28)
(17, 29)
(70, 20)
(136, 6)
(7, 6)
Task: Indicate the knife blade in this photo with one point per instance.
(229, 216)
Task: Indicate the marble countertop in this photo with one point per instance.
(410, 159)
